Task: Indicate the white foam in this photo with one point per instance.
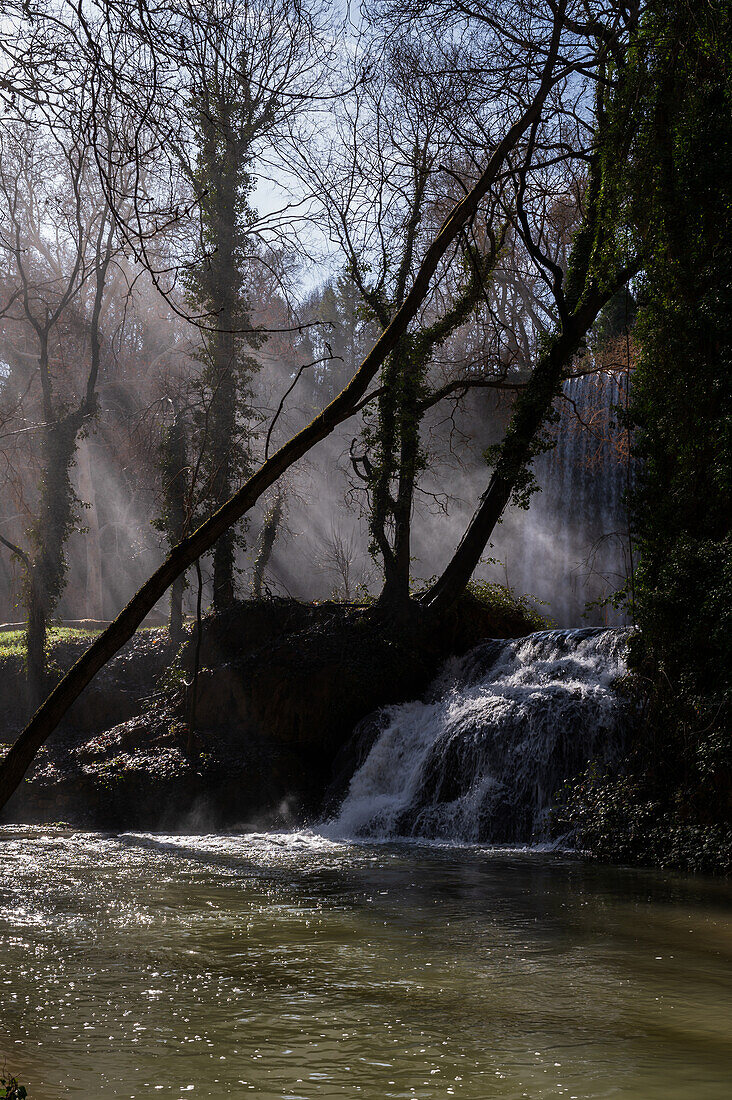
(482, 759)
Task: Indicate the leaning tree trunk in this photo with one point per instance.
(517, 450)
(44, 722)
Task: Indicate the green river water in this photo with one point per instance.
(295, 967)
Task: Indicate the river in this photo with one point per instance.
(294, 966)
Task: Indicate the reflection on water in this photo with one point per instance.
(292, 966)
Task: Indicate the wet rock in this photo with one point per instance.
(282, 687)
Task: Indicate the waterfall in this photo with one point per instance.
(482, 758)
(570, 548)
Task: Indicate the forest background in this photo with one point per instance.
(233, 231)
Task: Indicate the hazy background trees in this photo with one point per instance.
(272, 179)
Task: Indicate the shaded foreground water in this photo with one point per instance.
(293, 966)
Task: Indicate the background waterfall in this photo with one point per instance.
(502, 728)
(571, 547)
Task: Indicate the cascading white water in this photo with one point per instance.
(481, 760)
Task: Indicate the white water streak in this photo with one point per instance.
(482, 759)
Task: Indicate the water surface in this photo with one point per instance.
(294, 966)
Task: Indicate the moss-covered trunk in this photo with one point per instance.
(48, 565)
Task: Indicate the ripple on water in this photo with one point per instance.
(302, 965)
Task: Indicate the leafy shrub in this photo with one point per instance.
(613, 819)
(501, 597)
(13, 1091)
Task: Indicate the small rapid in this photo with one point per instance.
(482, 758)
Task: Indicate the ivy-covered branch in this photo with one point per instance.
(50, 713)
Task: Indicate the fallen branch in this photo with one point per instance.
(182, 556)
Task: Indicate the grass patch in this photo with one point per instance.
(12, 642)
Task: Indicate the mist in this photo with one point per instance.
(568, 550)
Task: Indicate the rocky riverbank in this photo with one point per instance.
(282, 686)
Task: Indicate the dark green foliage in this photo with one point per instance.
(617, 319)
(675, 805)
(225, 130)
(12, 1090)
(681, 407)
(618, 821)
(502, 598)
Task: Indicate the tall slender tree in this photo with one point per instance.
(49, 176)
(249, 65)
(385, 190)
(546, 71)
